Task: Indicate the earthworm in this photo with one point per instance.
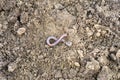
(56, 40)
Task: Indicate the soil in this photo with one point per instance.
(93, 27)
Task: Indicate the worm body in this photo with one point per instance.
(56, 40)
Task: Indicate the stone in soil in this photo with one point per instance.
(113, 57)
(24, 17)
(112, 49)
(93, 66)
(21, 31)
(89, 32)
(1, 45)
(58, 74)
(77, 64)
(103, 60)
(118, 75)
(3, 27)
(80, 53)
(2, 64)
(12, 66)
(105, 74)
(118, 54)
(68, 43)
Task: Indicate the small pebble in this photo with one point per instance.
(103, 60)
(98, 34)
(24, 17)
(44, 74)
(97, 26)
(77, 64)
(58, 6)
(2, 64)
(103, 32)
(93, 65)
(58, 74)
(12, 66)
(118, 54)
(80, 52)
(118, 75)
(105, 74)
(68, 43)
(112, 49)
(1, 45)
(21, 31)
(89, 32)
(113, 57)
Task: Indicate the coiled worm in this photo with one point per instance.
(56, 40)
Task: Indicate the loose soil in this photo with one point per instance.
(93, 27)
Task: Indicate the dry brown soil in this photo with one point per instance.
(93, 27)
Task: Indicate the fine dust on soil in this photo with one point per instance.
(93, 27)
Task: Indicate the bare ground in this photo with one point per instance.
(93, 27)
